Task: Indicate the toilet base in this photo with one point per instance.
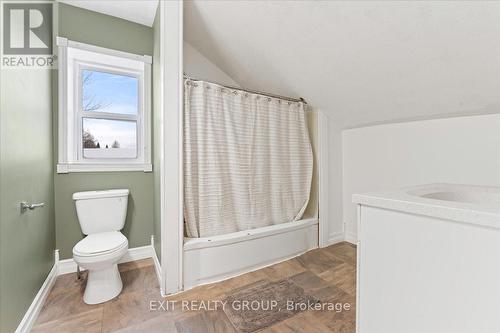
(102, 285)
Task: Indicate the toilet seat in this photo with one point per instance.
(101, 243)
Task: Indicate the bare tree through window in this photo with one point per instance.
(89, 101)
(89, 141)
(104, 94)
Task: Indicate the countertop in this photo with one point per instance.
(479, 205)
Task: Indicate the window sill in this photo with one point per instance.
(102, 167)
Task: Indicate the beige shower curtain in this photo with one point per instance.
(247, 160)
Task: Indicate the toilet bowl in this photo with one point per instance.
(101, 215)
(99, 254)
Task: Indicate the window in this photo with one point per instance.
(104, 109)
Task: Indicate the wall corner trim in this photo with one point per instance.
(323, 175)
(36, 306)
(171, 96)
(157, 265)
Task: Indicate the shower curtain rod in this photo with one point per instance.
(300, 99)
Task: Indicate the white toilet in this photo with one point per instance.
(102, 216)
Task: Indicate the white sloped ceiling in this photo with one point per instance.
(362, 62)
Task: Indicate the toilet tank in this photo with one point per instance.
(100, 211)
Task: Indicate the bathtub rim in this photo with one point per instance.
(246, 235)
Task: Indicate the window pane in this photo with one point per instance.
(107, 92)
(103, 138)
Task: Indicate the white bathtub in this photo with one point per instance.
(216, 258)
(429, 260)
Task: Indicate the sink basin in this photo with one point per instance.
(477, 205)
(470, 196)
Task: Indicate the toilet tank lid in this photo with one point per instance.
(100, 194)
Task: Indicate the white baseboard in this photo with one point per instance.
(157, 264)
(335, 238)
(351, 238)
(136, 253)
(69, 266)
(36, 306)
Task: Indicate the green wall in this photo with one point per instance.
(28, 104)
(157, 121)
(102, 30)
(27, 240)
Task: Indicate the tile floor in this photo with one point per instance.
(328, 275)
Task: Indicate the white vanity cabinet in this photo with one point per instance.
(429, 265)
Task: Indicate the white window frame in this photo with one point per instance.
(73, 57)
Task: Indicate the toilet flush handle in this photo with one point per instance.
(25, 206)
